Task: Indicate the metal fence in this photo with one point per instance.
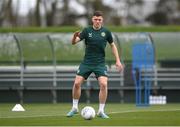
(42, 78)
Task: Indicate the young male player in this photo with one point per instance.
(96, 38)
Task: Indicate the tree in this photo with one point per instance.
(50, 11)
(7, 13)
(121, 11)
(167, 12)
(37, 13)
(93, 5)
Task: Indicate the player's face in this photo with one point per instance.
(97, 21)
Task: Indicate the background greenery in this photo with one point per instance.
(37, 50)
(170, 28)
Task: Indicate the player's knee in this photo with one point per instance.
(103, 85)
(77, 85)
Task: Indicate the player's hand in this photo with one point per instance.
(76, 34)
(119, 66)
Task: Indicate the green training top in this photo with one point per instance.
(95, 41)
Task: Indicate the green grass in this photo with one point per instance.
(120, 115)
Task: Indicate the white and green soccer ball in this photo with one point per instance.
(88, 113)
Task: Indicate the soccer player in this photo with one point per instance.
(96, 38)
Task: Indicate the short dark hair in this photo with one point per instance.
(98, 13)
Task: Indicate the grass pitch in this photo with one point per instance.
(120, 115)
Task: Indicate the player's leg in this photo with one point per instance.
(82, 74)
(102, 95)
(102, 76)
(76, 93)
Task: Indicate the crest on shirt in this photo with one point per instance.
(89, 34)
(103, 34)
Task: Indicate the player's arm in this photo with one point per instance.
(119, 66)
(75, 38)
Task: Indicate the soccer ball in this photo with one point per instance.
(88, 113)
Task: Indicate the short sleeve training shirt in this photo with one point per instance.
(95, 42)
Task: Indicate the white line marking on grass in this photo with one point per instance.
(127, 111)
(155, 110)
(31, 116)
